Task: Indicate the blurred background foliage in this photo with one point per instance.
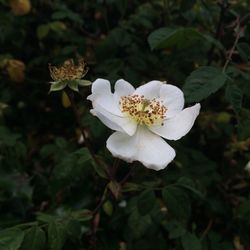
(53, 194)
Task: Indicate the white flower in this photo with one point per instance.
(140, 118)
(247, 167)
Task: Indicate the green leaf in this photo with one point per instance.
(42, 31)
(190, 242)
(244, 51)
(177, 202)
(146, 202)
(56, 235)
(138, 224)
(169, 37)
(59, 15)
(100, 169)
(244, 209)
(189, 185)
(34, 239)
(56, 86)
(234, 96)
(213, 41)
(175, 229)
(202, 82)
(72, 166)
(11, 239)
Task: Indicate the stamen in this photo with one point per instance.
(142, 110)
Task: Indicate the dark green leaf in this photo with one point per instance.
(11, 239)
(190, 242)
(168, 37)
(234, 96)
(146, 202)
(138, 224)
(34, 239)
(189, 184)
(175, 229)
(202, 82)
(177, 202)
(244, 51)
(56, 235)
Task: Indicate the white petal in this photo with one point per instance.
(102, 96)
(179, 125)
(150, 90)
(123, 88)
(106, 108)
(114, 122)
(172, 98)
(151, 150)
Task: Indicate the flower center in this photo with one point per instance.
(142, 110)
(69, 70)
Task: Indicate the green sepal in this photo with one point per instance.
(57, 86)
(84, 83)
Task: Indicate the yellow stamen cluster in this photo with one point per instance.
(142, 110)
(69, 70)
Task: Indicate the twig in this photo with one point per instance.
(78, 120)
(209, 225)
(101, 201)
(123, 181)
(240, 29)
(223, 9)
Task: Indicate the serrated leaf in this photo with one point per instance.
(213, 41)
(56, 235)
(234, 96)
(100, 169)
(168, 37)
(34, 239)
(11, 239)
(190, 242)
(177, 202)
(189, 185)
(138, 224)
(56, 86)
(175, 229)
(146, 202)
(202, 82)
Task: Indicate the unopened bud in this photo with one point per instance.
(20, 7)
(15, 70)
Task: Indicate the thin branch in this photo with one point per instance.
(78, 120)
(218, 33)
(238, 34)
(209, 225)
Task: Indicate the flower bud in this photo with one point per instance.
(15, 70)
(20, 7)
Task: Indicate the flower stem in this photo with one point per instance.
(78, 120)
